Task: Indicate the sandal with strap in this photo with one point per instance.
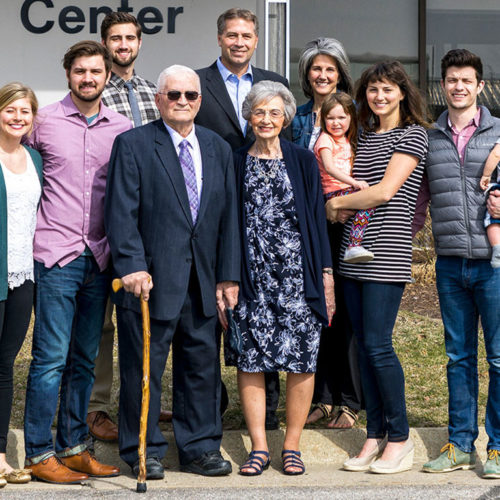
(344, 410)
(256, 463)
(326, 411)
(291, 459)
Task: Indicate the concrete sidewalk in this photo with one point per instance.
(323, 452)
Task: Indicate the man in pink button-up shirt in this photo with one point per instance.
(74, 137)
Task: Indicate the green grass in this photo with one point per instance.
(418, 341)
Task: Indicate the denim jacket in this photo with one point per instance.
(302, 125)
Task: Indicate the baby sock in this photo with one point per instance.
(495, 256)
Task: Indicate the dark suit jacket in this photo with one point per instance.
(149, 225)
(217, 111)
(304, 177)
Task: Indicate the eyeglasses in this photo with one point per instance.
(175, 95)
(273, 113)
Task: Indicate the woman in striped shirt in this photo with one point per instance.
(390, 158)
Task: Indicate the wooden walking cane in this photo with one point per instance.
(143, 426)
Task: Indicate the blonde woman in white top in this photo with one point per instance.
(20, 190)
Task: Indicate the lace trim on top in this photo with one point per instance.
(17, 279)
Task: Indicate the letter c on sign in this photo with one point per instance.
(25, 18)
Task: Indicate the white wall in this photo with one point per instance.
(35, 59)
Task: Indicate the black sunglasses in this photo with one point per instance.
(175, 95)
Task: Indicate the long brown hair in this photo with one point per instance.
(345, 100)
(412, 107)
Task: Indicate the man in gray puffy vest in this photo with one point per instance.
(467, 285)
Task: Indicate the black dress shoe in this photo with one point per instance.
(154, 468)
(209, 464)
(272, 421)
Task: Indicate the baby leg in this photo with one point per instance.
(493, 232)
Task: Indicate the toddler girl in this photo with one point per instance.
(334, 152)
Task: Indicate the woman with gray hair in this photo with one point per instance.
(323, 70)
(286, 289)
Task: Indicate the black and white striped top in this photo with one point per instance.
(388, 234)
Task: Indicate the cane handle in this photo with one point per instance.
(116, 284)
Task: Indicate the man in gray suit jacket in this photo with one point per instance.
(172, 228)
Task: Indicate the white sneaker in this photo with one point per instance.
(358, 254)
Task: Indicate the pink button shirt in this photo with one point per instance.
(75, 164)
(461, 138)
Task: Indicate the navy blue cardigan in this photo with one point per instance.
(306, 184)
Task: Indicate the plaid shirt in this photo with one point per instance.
(115, 96)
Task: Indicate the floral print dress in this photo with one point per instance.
(280, 332)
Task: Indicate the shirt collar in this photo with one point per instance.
(118, 82)
(70, 109)
(177, 138)
(225, 73)
(474, 122)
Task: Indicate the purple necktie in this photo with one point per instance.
(189, 177)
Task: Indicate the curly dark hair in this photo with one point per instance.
(461, 58)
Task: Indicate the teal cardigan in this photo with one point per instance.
(37, 160)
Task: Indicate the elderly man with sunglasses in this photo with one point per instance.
(172, 228)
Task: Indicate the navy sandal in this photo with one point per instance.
(256, 463)
(291, 459)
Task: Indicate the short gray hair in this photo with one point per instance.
(329, 47)
(266, 90)
(175, 69)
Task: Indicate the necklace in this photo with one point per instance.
(266, 170)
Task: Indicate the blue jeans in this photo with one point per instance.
(469, 289)
(70, 302)
(373, 308)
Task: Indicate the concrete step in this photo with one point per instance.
(318, 446)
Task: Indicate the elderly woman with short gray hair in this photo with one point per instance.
(286, 290)
(323, 70)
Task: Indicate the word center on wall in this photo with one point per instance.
(72, 19)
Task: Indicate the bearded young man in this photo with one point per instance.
(74, 137)
(126, 92)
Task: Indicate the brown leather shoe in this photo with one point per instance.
(165, 416)
(51, 470)
(101, 426)
(85, 462)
